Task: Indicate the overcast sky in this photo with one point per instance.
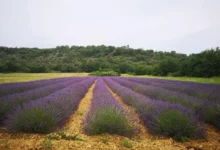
(186, 26)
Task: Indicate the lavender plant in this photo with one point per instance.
(161, 117)
(46, 114)
(160, 93)
(7, 103)
(106, 115)
(174, 121)
(200, 106)
(200, 90)
(10, 88)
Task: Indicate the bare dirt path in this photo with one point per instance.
(74, 125)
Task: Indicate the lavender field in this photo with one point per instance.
(170, 109)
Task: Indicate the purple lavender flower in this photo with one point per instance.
(10, 88)
(48, 113)
(209, 92)
(183, 122)
(200, 106)
(106, 115)
(7, 103)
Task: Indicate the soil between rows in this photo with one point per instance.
(141, 141)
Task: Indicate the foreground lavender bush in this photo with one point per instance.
(106, 115)
(208, 111)
(161, 117)
(7, 103)
(9, 88)
(174, 121)
(33, 118)
(46, 114)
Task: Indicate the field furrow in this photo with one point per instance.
(74, 124)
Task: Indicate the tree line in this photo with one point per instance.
(110, 58)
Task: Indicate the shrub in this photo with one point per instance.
(109, 120)
(11, 101)
(175, 74)
(104, 73)
(174, 123)
(38, 120)
(210, 114)
(46, 114)
(160, 117)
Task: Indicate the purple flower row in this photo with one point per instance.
(7, 103)
(151, 110)
(199, 90)
(102, 97)
(48, 113)
(9, 88)
(161, 93)
(208, 111)
(102, 101)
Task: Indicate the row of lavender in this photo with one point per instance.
(9, 88)
(203, 91)
(160, 117)
(106, 115)
(8, 102)
(45, 114)
(208, 110)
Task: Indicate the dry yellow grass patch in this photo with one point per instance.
(26, 77)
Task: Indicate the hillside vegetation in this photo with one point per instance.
(109, 58)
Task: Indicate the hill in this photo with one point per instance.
(120, 59)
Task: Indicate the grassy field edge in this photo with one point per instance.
(25, 77)
(213, 80)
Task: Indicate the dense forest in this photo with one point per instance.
(118, 59)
